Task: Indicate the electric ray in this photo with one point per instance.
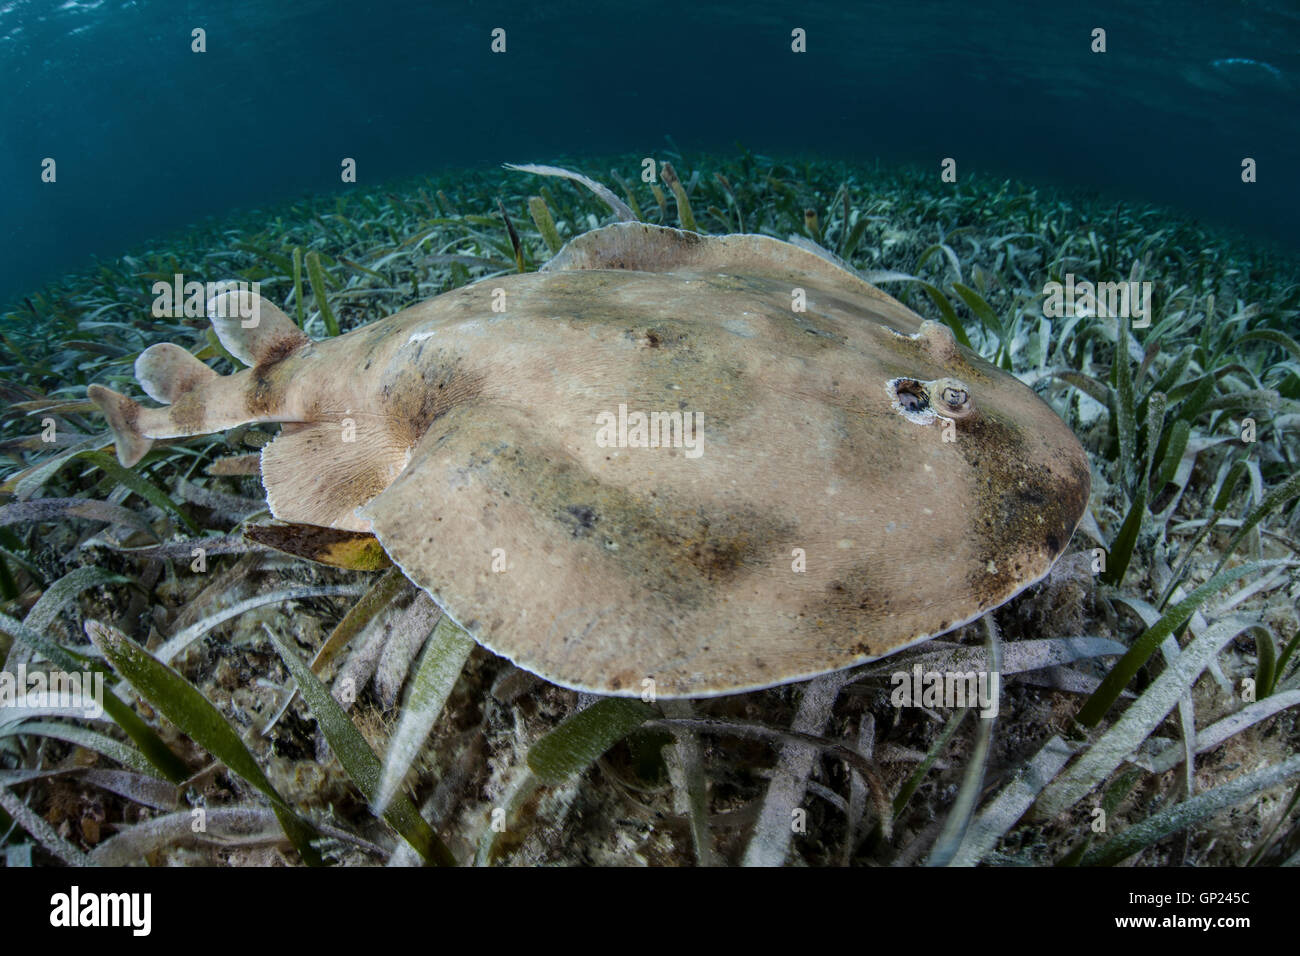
(715, 462)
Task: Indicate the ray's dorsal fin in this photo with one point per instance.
(166, 371)
(252, 329)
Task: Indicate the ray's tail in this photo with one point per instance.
(123, 417)
(250, 328)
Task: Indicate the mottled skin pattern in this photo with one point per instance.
(476, 430)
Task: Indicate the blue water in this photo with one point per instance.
(149, 136)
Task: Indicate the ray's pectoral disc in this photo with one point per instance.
(649, 467)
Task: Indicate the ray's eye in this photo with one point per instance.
(955, 398)
(920, 401)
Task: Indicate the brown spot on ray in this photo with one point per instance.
(473, 434)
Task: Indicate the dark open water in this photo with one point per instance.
(149, 136)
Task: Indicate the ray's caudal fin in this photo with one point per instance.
(123, 417)
(199, 400)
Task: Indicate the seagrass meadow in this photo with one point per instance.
(276, 695)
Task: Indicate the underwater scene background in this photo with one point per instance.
(311, 701)
(150, 135)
